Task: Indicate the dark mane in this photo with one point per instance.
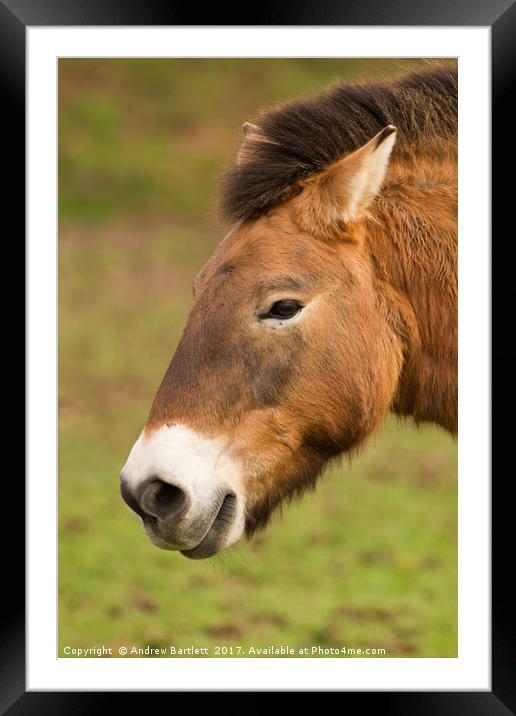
(305, 136)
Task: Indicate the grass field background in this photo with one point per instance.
(367, 561)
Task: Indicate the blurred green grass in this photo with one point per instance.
(370, 559)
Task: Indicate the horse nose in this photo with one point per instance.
(163, 500)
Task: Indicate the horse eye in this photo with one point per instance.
(284, 309)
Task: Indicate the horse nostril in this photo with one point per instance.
(163, 500)
(129, 500)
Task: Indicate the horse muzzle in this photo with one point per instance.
(190, 506)
(171, 522)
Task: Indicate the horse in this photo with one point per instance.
(331, 303)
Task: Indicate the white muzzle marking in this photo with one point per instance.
(201, 468)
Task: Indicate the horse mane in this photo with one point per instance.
(303, 137)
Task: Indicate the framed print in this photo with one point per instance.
(258, 354)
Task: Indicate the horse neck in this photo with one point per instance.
(413, 244)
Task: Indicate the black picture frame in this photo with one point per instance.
(500, 16)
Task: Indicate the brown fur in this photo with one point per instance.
(382, 291)
(301, 138)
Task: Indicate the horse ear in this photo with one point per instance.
(248, 128)
(252, 134)
(346, 188)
